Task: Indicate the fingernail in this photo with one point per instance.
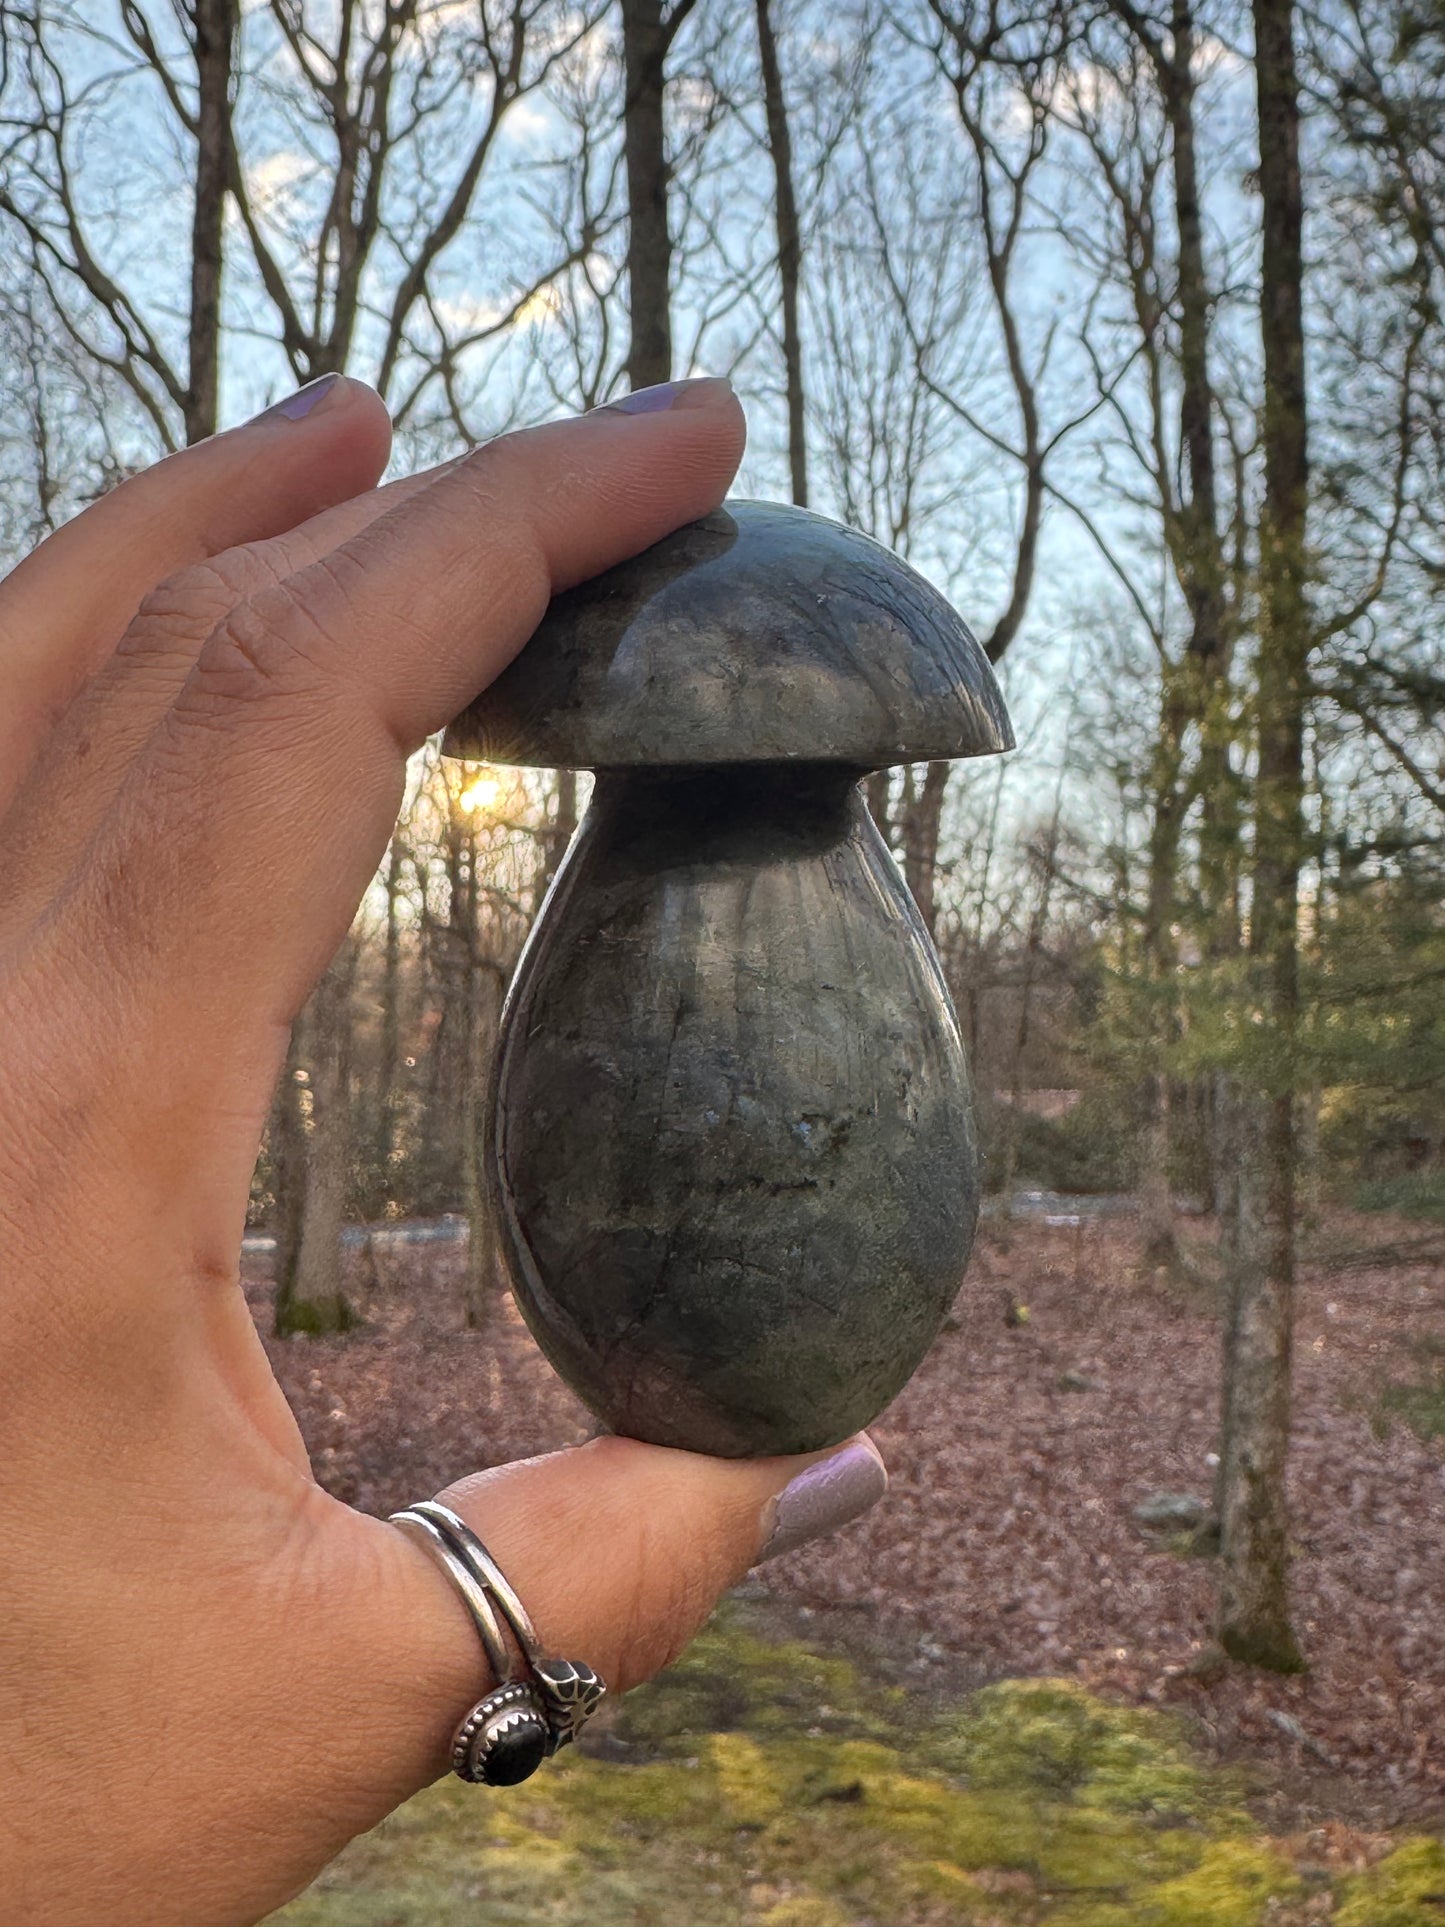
(304, 400)
(670, 394)
(825, 1497)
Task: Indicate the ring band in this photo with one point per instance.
(474, 1595)
(537, 1705)
(490, 1573)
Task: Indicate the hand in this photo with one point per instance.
(214, 1675)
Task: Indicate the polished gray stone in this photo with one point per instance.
(759, 634)
(730, 1138)
(733, 1141)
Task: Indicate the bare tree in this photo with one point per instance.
(62, 435)
(648, 31)
(1045, 855)
(1376, 72)
(388, 1075)
(983, 61)
(790, 249)
(981, 55)
(1254, 1616)
(213, 32)
(313, 1161)
(1130, 98)
(581, 351)
(480, 838)
(373, 153)
(893, 269)
(43, 199)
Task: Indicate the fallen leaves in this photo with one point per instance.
(1019, 1454)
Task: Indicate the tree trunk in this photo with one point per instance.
(389, 1066)
(645, 41)
(1156, 1202)
(790, 250)
(1191, 530)
(214, 27)
(1033, 950)
(1220, 874)
(1200, 546)
(559, 833)
(309, 1294)
(442, 1181)
(922, 821)
(1254, 1621)
(287, 1138)
(1160, 957)
(483, 1270)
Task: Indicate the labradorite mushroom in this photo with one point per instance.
(730, 1132)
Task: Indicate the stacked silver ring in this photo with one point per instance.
(538, 1704)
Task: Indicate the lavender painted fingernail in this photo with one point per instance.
(825, 1497)
(670, 394)
(305, 399)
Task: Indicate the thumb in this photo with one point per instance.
(618, 1550)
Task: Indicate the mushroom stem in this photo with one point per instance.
(732, 1137)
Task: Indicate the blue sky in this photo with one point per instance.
(131, 164)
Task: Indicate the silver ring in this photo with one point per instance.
(487, 1569)
(474, 1595)
(533, 1710)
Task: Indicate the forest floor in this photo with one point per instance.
(1068, 1389)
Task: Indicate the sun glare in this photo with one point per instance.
(481, 794)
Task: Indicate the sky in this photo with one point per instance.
(131, 163)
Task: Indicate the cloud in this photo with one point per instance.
(531, 118)
(466, 314)
(270, 180)
(1091, 88)
(1096, 91)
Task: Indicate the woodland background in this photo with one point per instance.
(1121, 318)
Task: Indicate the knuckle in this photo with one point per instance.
(270, 645)
(172, 620)
(181, 604)
(176, 616)
(504, 483)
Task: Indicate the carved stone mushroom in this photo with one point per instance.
(730, 1135)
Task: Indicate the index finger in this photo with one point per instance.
(63, 608)
(239, 847)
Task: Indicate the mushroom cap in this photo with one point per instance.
(760, 634)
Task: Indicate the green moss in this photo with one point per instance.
(1232, 1884)
(1405, 1889)
(803, 1910)
(775, 1786)
(732, 1680)
(1416, 1194)
(313, 1317)
(1057, 1740)
(1421, 1406)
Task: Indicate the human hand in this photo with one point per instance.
(212, 1674)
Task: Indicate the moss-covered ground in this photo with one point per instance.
(1420, 1401)
(767, 1784)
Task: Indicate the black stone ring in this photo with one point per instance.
(539, 1704)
